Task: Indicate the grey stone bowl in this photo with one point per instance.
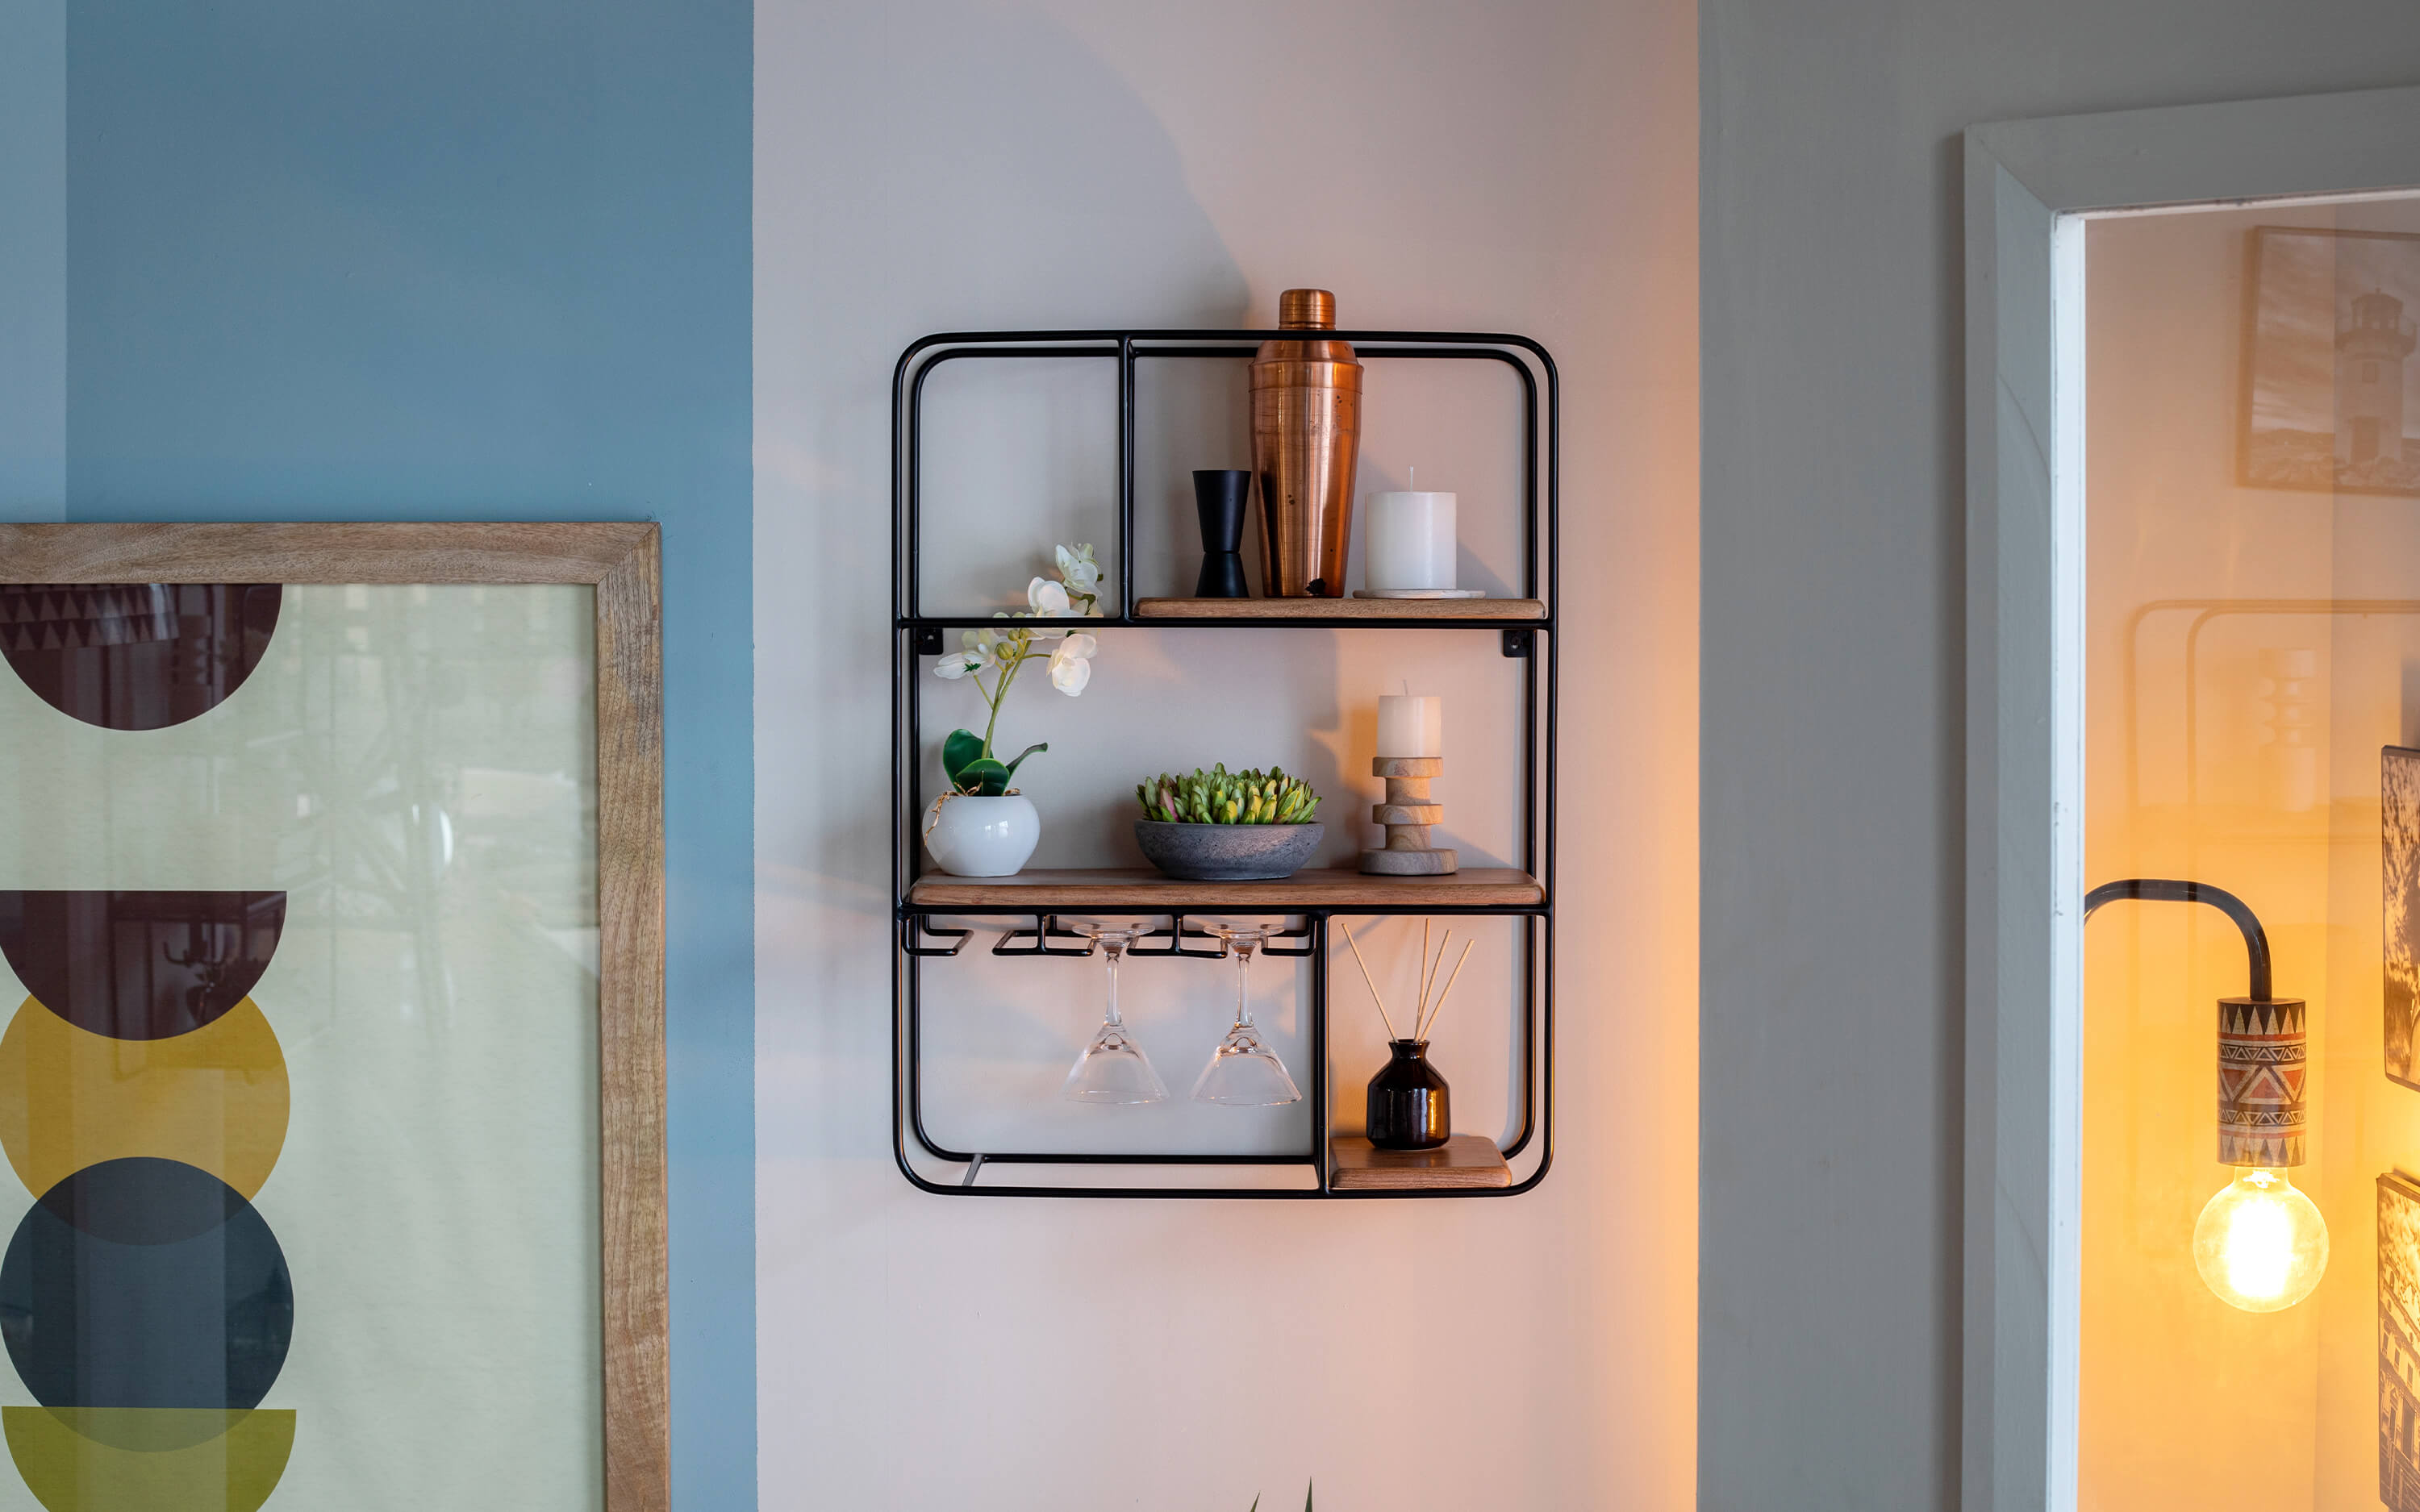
(1228, 852)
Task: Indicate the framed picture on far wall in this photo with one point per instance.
(2399, 788)
(2331, 318)
(332, 955)
(2399, 1342)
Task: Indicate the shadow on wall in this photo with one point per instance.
(1025, 184)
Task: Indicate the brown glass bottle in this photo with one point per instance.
(1306, 436)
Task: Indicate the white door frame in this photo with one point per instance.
(2027, 185)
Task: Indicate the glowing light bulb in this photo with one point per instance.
(2260, 1245)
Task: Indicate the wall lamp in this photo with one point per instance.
(2259, 1245)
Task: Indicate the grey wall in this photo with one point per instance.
(1832, 700)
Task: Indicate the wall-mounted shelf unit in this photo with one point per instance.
(939, 916)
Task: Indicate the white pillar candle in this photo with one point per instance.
(1411, 541)
(1411, 724)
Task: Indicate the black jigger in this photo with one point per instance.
(1220, 496)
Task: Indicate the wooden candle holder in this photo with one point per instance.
(1408, 814)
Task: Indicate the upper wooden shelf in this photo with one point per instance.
(1338, 609)
(1097, 891)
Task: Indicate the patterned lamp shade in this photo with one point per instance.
(2263, 1060)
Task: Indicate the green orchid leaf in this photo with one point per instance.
(963, 746)
(983, 777)
(1022, 754)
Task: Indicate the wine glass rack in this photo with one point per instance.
(1026, 908)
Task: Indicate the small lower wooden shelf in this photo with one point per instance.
(1338, 609)
(1088, 891)
(1463, 1161)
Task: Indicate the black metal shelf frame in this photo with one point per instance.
(917, 634)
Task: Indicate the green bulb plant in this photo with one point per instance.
(1218, 796)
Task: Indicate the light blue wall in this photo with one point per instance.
(33, 258)
(470, 259)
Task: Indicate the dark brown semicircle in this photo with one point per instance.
(136, 655)
(140, 965)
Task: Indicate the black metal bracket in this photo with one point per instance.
(2164, 890)
(929, 640)
(1046, 928)
(1176, 935)
(1303, 933)
(912, 928)
(1519, 642)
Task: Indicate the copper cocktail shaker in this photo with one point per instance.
(1306, 435)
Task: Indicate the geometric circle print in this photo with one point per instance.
(140, 965)
(71, 1467)
(145, 1283)
(136, 655)
(215, 1098)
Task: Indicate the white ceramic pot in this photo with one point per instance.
(982, 836)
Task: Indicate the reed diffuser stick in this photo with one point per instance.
(1371, 985)
(1422, 1031)
(1429, 975)
(1422, 1005)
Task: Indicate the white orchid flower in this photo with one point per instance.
(1049, 601)
(1079, 572)
(1071, 664)
(975, 657)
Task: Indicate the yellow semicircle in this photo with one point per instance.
(69, 1473)
(215, 1098)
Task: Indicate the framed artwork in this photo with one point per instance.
(2399, 1342)
(332, 1075)
(2399, 792)
(2328, 330)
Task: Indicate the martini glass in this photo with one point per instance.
(1244, 1073)
(1114, 1068)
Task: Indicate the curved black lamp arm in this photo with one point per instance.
(2157, 890)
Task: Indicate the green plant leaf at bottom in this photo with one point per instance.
(959, 751)
(983, 777)
(1022, 754)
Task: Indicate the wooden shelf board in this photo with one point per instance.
(1464, 1160)
(1338, 609)
(1094, 892)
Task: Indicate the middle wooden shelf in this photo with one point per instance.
(1139, 887)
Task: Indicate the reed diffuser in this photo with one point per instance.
(1410, 1106)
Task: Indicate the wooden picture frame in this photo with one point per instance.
(621, 561)
(2369, 351)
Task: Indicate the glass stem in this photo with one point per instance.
(1114, 987)
(1243, 988)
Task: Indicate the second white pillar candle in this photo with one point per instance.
(1410, 724)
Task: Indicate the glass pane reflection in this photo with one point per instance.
(299, 1085)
